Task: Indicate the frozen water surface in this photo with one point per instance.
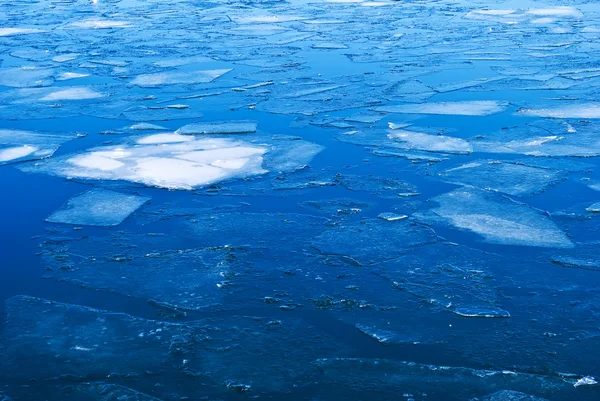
(300, 200)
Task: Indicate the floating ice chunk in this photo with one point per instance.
(481, 312)
(175, 78)
(510, 178)
(18, 31)
(65, 76)
(292, 155)
(164, 138)
(74, 93)
(586, 381)
(385, 337)
(594, 208)
(431, 143)
(98, 207)
(218, 127)
(164, 160)
(65, 57)
(178, 62)
(582, 110)
(463, 108)
(392, 216)
(101, 24)
(17, 152)
(559, 11)
(577, 262)
(498, 219)
(147, 127)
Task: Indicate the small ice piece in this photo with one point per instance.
(146, 127)
(392, 216)
(481, 312)
(74, 93)
(65, 76)
(595, 208)
(98, 207)
(498, 219)
(383, 336)
(17, 152)
(101, 24)
(582, 110)
(462, 108)
(218, 127)
(175, 78)
(586, 381)
(431, 143)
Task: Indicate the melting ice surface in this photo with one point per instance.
(302, 200)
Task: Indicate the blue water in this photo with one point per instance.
(278, 277)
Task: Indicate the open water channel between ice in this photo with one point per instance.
(302, 200)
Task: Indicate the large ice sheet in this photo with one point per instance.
(580, 110)
(175, 78)
(497, 219)
(182, 162)
(431, 143)
(98, 207)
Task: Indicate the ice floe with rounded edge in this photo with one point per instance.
(497, 219)
(173, 161)
(459, 108)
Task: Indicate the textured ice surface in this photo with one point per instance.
(362, 241)
(478, 312)
(498, 219)
(509, 178)
(98, 207)
(218, 127)
(55, 339)
(510, 395)
(582, 110)
(464, 108)
(594, 208)
(378, 377)
(101, 391)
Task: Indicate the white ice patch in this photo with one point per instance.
(175, 78)
(98, 207)
(560, 11)
(74, 93)
(430, 143)
(498, 219)
(101, 24)
(18, 31)
(17, 152)
(462, 108)
(582, 110)
(165, 160)
(65, 76)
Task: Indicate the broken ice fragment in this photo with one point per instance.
(392, 216)
(586, 381)
(498, 219)
(146, 127)
(218, 127)
(430, 143)
(583, 110)
(190, 78)
(17, 146)
(481, 312)
(18, 31)
(594, 208)
(464, 108)
(98, 207)
(74, 93)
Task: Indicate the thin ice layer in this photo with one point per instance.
(372, 240)
(509, 178)
(461, 108)
(175, 78)
(497, 219)
(581, 110)
(98, 207)
(431, 143)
